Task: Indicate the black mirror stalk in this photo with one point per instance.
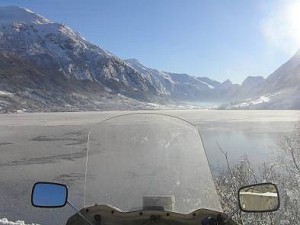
(79, 213)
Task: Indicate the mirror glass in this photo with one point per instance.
(259, 198)
(49, 195)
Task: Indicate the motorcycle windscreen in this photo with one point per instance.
(148, 161)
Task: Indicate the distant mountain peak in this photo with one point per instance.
(227, 82)
(16, 14)
(253, 79)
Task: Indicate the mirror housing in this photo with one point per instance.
(49, 195)
(262, 197)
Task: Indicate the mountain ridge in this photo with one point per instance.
(187, 87)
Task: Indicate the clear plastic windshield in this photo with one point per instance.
(139, 161)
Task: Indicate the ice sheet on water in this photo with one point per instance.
(18, 222)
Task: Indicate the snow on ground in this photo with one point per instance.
(260, 100)
(251, 102)
(18, 222)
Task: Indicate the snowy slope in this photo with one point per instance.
(186, 87)
(286, 76)
(280, 90)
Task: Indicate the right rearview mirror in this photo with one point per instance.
(259, 198)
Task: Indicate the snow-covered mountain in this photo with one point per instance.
(55, 47)
(285, 77)
(186, 87)
(46, 66)
(280, 90)
(40, 54)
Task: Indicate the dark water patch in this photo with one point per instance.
(69, 179)
(75, 133)
(42, 138)
(74, 141)
(5, 143)
(77, 142)
(47, 159)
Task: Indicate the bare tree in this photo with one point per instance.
(285, 172)
(289, 175)
(240, 174)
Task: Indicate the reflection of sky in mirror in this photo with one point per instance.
(49, 195)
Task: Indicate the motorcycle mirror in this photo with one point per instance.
(259, 198)
(49, 195)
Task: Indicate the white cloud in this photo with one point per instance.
(281, 25)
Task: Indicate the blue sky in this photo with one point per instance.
(219, 39)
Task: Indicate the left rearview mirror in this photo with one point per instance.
(259, 198)
(49, 195)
